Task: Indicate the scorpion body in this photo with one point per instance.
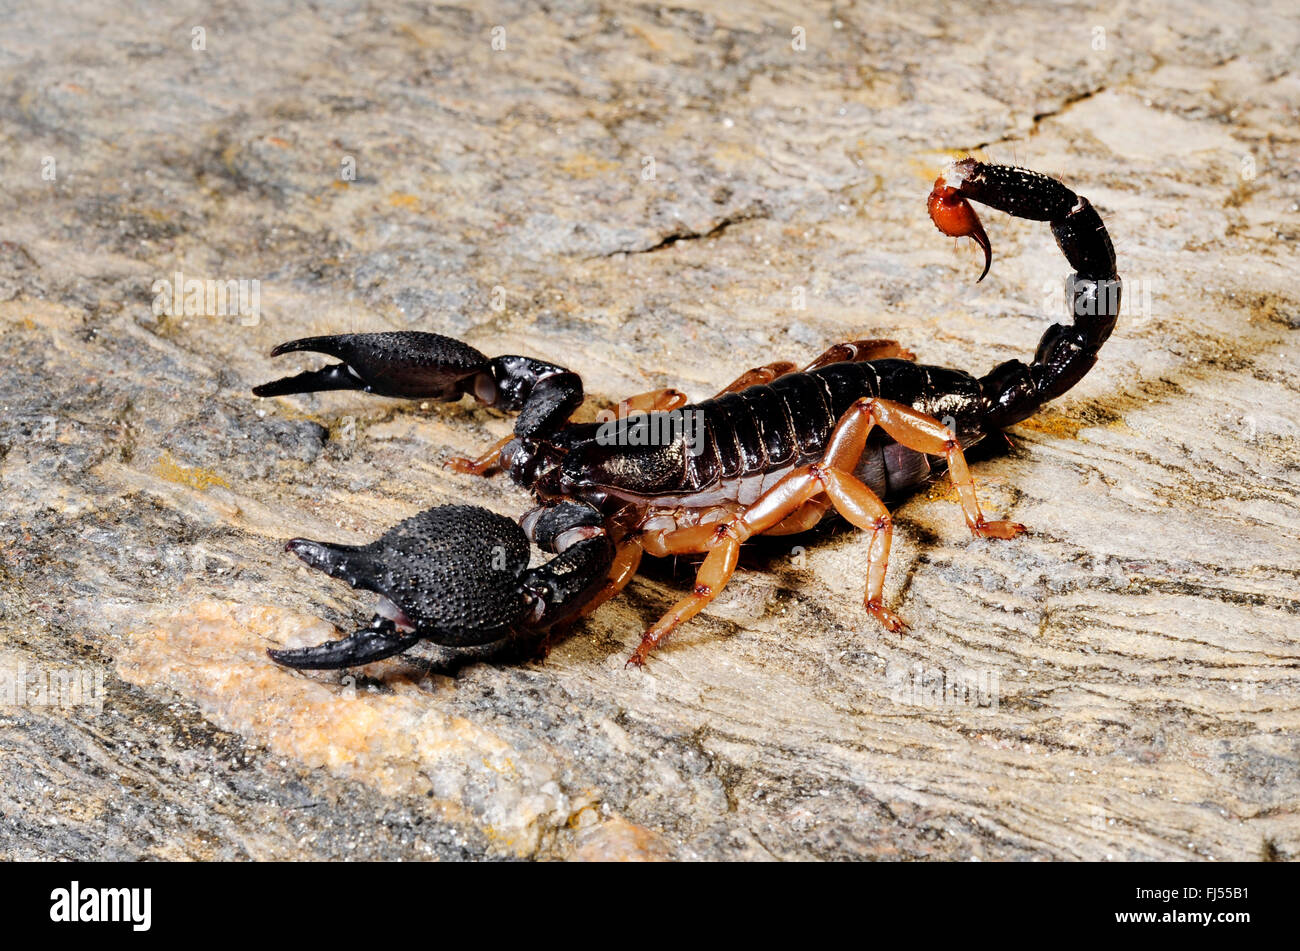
(749, 440)
(771, 454)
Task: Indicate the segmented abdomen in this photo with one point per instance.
(789, 421)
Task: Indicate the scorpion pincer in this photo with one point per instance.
(772, 454)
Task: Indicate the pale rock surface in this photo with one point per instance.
(1141, 643)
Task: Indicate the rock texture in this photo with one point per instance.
(653, 195)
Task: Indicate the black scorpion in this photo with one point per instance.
(770, 454)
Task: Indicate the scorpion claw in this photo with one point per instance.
(337, 561)
(458, 575)
(337, 376)
(451, 573)
(407, 363)
(365, 646)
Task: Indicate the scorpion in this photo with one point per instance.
(772, 454)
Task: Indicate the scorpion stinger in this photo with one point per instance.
(953, 215)
(458, 575)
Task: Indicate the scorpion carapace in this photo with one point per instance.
(772, 453)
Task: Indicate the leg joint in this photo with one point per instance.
(733, 528)
(866, 405)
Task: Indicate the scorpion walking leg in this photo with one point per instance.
(789, 498)
(655, 401)
(758, 376)
(926, 434)
(855, 351)
(857, 503)
(861, 351)
(627, 559)
(786, 500)
(483, 464)
(709, 580)
(698, 538)
(802, 519)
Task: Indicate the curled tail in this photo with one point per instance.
(1066, 352)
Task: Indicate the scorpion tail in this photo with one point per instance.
(1066, 352)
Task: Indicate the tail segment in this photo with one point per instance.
(1066, 352)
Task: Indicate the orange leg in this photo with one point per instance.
(722, 541)
(860, 351)
(685, 541)
(855, 351)
(709, 580)
(802, 519)
(626, 561)
(655, 401)
(759, 375)
(926, 434)
(857, 503)
(483, 464)
(788, 499)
